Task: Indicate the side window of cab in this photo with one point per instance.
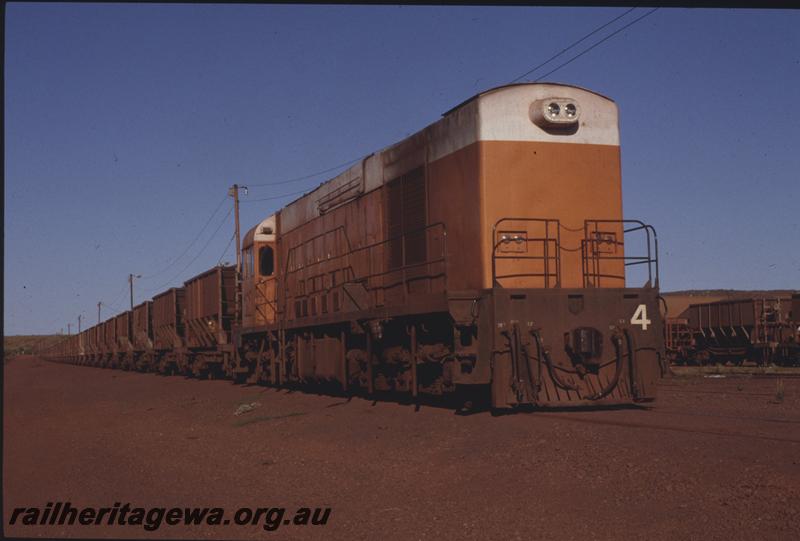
(247, 262)
(266, 261)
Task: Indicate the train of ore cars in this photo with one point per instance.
(484, 255)
(736, 331)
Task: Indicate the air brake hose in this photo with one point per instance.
(611, 384)
(538, 384)
(546, 356)
(513, 352)
(631, 352)
(617, 372)
(515, 348)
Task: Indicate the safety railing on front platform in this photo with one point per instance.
(527, 252)
(605, 262)
(532, 246)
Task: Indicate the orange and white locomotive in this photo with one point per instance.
(482, 256)
(485, 252)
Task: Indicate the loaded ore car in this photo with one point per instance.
(142, 336)
(794, 320)
(759, 330)
(209, 319)
(97, 344)
(91, 346)
(484, 256)
(168, 330)
(124, 346)
(109, 348)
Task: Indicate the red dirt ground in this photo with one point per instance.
(714, 458)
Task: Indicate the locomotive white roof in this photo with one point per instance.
(263, 232)
(504, 87)
(498, 114)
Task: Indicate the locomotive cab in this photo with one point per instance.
(259, 274)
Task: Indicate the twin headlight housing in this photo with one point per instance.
(555, 113)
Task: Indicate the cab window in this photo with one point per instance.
(247, 262)
(266, 263)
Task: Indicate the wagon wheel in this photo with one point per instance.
(703, 357)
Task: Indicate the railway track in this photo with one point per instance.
(679, 373)
(677, 389)
(733, 417)
(573, 418)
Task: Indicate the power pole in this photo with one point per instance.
(234, 192)
(130, 281)
(79, 323)
(98, 312)
(69, 329)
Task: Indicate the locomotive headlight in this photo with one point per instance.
(555, 113)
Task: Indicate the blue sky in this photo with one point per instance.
(125, 124)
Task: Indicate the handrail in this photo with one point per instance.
(546, 257)
(351, 275)
(330, 200)
(356, 250)
(591, 261)
(293, 249)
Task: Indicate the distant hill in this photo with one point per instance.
(26, 344)
(733, 293)
(678, 301)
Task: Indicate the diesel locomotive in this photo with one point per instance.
(485, 255)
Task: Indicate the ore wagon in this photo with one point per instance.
(109, 344)
(142, 337)
(758, 330)
(124, 347)
(209, 320)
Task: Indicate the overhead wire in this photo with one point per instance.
(219, 261)
(272, 198)
(186, 250)
(584, 38)
(213, 235)
(608, 37)
(305, 177)
(113, 304)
